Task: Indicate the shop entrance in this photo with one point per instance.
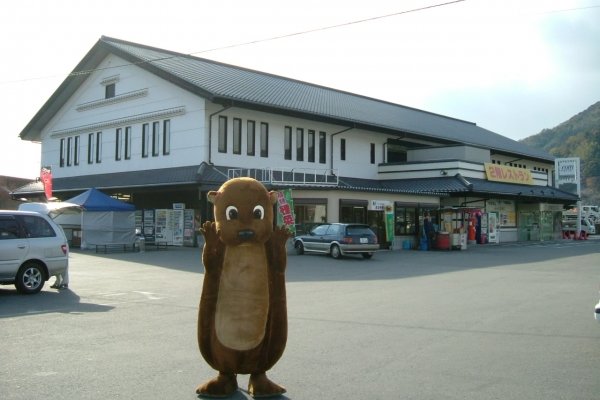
(376, 221)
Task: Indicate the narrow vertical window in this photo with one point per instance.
(237, 136)
(311, 146)
(322, 147)
(287, 143)
(264, 139)
(118, 141)
(166, 137)
(90, 148)
(145, 139)
(62, 153)
(109, 91)
(99, 147)
(69, 151)
(299, 144)
(372, 153)
(127, 142)
(222, 144)
(76, 150)
(155, 138)
(343, 149)
(251, 138)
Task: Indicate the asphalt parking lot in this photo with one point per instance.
(492, 322)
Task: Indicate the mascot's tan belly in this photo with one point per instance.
(243, 302)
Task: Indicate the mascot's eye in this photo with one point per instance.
(258, 212)
(231, 212)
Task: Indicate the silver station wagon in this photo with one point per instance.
(32, 249)
(338, 239)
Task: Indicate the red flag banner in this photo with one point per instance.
(46, 177)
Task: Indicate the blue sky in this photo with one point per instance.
(512, 66)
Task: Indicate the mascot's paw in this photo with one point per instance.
(223, 385)
(260, 386)
(209, 231)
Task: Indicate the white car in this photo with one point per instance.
(32, 249)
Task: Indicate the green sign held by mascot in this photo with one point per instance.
(242, 319)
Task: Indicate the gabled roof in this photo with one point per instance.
(236, 86)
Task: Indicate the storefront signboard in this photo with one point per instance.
(505, 173)
(567, 175)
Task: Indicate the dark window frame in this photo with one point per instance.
(127, 152)
(145, 139)
(343, 149)
(118, 143)
(264, 139)
(237, 136)
(166, 147)
(155, 138)
(110, 91)
(299, 144)
(322, 147)
(372, 153)
(311, 145)
(222, 134)
(98, 147)
(90, 152)
(251, 138)
(287, 142)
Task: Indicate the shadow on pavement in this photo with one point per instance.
(14, 304)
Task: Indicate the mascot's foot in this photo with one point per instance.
(260, 386)
(223, 385)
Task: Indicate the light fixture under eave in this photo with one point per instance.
(443, 172)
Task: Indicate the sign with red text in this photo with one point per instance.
(504, 173)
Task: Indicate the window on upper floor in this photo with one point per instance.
(251, 138)
(127, 143)
(322, 147)
(342, 149)
(222, 139)
(166, 137)
(109, 91)
(299, 144)
(237, 136)
(90, 149)
(118, 143)
(76, 150)
(372, 153)
(145, 139)
(311, 146)
(287, 143)
(264, 139)
(98, 147)
(61, 151)
(155, 138)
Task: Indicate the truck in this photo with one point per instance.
(569, 227)
(590, 212)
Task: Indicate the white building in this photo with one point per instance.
(158, 127)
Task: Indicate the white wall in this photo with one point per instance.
(187, 126)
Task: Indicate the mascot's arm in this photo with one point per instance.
(277, 327)
(214, 248)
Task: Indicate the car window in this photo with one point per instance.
(37, 227)
(358, 230)
(9, 229)
(320, 230)
(332, 230)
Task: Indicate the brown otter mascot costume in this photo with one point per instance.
(242, 320)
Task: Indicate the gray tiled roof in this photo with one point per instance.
(228, 84)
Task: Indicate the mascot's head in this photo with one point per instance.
(243, 211)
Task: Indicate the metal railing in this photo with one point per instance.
(288, 176)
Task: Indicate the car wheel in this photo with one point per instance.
(299, 248)
(335, 251)
(367, 255)
(30, 278)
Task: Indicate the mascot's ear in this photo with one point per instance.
(273, 197)
(212, 196)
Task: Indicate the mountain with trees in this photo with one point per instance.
(577, 137)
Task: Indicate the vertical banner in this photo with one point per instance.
(285, 210)
(567, 177)
(46, 177)
(389, 222)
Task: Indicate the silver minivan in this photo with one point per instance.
(32, 249)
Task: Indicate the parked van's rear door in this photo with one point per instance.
(13, 247)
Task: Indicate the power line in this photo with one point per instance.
(87, 72)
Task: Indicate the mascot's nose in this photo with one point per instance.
(246, 234)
